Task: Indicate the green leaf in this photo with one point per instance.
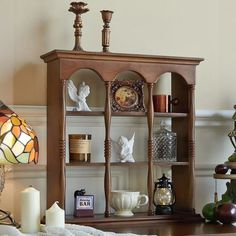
(232, 158)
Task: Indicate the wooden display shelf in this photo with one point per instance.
(224, 176)
(138, 218)
(84, 113)
(61, 65)
(138, 163)
(139, 114)
(170, 163)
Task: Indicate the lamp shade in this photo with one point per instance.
(18, 141)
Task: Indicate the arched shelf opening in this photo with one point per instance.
(128, 97)
(127, 92)
(129, 75)
(168, 95)
(96, 97)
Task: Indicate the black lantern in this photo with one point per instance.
(164, 196)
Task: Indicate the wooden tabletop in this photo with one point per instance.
(176, 229)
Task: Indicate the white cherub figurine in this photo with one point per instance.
(124, 148)
(80, 98)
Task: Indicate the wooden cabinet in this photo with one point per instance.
(62, 64)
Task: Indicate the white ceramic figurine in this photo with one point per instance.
(124, 148)
(79, 97)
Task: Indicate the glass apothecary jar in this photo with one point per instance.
(164, 144)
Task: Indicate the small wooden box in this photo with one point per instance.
(84, 206)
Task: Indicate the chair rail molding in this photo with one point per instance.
(203, 117)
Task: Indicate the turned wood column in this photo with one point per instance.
(150, 117)
(191, 142)
(107, 151)
(62, 146)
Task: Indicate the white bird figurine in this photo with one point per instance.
(79, 96)
(124, 148)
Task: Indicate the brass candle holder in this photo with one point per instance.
(106, 17)
(78, 8)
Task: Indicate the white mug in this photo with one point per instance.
(124, 201)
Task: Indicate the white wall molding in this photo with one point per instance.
(39, 171)
(37, 115)
(205, 170)
(30, 171)
(214, 117)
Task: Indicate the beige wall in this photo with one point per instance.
(202, 28)
(195, 28)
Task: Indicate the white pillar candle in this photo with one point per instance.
(55, 216)
(163, 85)
(30, 210)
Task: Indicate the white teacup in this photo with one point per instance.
(124, 201)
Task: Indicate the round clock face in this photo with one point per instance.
(126, 97)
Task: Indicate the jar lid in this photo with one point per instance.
(163, 130)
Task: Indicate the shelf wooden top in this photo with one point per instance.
(70, 54)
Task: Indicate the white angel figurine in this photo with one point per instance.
(79, 97)
(124, 148)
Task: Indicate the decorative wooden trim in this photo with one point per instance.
(150, 120)
(120, 57)
(107, 150)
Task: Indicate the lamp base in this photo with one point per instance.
(6, 219)
(163, 210)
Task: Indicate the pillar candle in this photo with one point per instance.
(30, 210)
(163, 85)
(55, 216)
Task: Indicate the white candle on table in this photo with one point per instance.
(55, 216)
(30, 210)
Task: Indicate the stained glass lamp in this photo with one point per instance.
(18, 144)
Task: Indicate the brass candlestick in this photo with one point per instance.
(106, 17)
(78, 8)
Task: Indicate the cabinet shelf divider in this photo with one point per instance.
(131, 114)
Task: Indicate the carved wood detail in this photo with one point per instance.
(150, 117)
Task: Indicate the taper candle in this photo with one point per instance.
(55, 216)
(30, 210)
